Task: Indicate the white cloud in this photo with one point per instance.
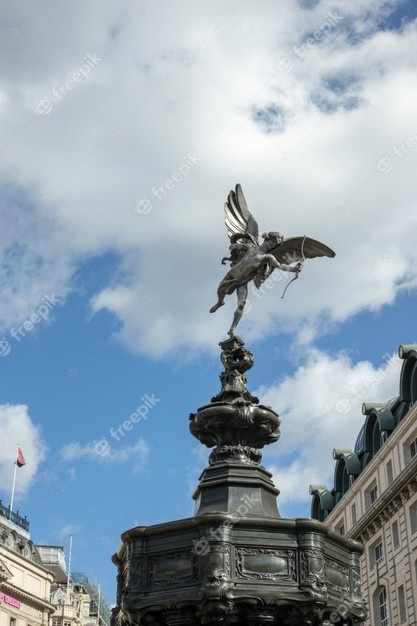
(102, 452)
(167, 87)
(320, 408)
(17, 428)
(68, 529)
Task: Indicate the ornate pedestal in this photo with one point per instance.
(236, 561)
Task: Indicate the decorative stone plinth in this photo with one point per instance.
(238, 427)
(221, 568)
(242, 489)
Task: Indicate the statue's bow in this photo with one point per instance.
(298, 270)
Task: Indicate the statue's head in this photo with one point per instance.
(272, 239)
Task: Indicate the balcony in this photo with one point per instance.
(23, 522)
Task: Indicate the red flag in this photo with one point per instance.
(20, 459)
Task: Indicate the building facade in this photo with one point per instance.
(374, 501)
(25, 585)
(35, 589)
(76, 601)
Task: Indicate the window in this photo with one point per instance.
(376, 553)
(410, 449)
(390, 474)
(401, 604)
(371, 494)
(413, 448)
(383, 608)
(353, 514)
(413, 517)
(395, 535)
(379, 553)
(341, 529)
(12, 621)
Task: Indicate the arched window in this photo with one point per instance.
(381, 607)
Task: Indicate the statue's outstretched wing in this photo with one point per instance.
(296, 249)
(239, 220)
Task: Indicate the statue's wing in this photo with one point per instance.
(296, 249)
(239, 220)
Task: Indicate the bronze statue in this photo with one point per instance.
(251, 260)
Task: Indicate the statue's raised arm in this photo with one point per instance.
(251, 260)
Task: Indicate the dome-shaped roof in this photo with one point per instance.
(359, 448)
(380, 421)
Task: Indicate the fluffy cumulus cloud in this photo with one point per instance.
(123, 128)
(313, 423)
(17, 428)
(102, 452)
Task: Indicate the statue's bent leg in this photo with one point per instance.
(226, 287)
(216, 306)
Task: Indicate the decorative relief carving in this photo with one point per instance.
(133, 573)
(266, 564)
(356, 584)
(404, 495)
(365, 535)
(118, 617)
(171, 569)
(337, 576)
(411, 489)
(132, 568)
(376, 524)
(235, 453)
(215, 612)
(215, 568)
(312, 568)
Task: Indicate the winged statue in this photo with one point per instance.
(252, 260)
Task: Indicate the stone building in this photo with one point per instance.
(374, 501)
(35, 589)
(76, 601)
(25, 585)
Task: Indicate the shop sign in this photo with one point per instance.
(9, 600)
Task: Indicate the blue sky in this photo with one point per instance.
(122, 130)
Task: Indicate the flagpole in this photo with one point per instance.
(69, 566)
(14, 483)
(98, 606)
